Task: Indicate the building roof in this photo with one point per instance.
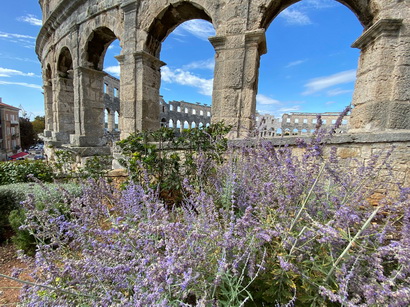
(19, 155)
(8, 106)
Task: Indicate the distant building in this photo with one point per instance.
(9, 130)
(268, 125)
(297, 123)
(174, 114)
(182, 115)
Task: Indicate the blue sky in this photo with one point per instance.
(309, 67)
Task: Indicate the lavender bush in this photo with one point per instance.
(268, 228)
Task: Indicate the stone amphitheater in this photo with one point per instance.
(76, 34)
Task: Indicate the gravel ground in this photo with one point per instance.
(9, 289)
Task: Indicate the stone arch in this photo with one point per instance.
(360, 8)
(64, 62)
(97, 45)
(63, 100)
(48, 73)
(163, 122)
(168, 19)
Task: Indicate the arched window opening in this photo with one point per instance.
(106, 119)
(163, 122)
(308, 68)
(116, 121)
(178, 124)
(112, 80)
(186, 125)
(188, 75)
(63, 109)
(48, 99)
(171, 123)
(193, 125)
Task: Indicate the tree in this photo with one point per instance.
(38, 125)
(27, 135)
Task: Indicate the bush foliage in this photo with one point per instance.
(19, 171)
(168, 159)
(13, 214)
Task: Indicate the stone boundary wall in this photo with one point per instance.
(355, 149)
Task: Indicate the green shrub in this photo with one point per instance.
(167, 159)
(9, 201)
(18, 171)
(12, 215)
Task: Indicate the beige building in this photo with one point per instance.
(9, 130)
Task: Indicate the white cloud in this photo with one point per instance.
(15, 36)
(319, 4)
(338, 91)
(265, 100)
(208, 64)
(263, 112)
(31, 19)
(21, 84)
(113, 70)
(295, 17)
(318, 84)
(289, 109)
(298, 14)
(6, 72)
(200, 28)
(26, 41)
(295, 63)
(183, 77)
(5, 56)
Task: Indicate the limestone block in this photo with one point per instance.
(345, 153)
(399, 115)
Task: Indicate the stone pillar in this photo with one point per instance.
(48, 108)
(63, 119)
(111, 121)
(89, 108)
(139, 94)
(382, 97)
(236, 79)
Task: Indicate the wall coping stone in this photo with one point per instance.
(338, 139)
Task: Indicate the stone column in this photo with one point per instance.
(236, 79)
(63, 119)
(139, 95)
(111, 121)
(89, 109)
(48, 106)
(382, 97)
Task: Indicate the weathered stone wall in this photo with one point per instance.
(355, 150)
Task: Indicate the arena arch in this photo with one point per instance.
(63, 100)
(360, 8)
(168, 19)
(86, 27)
